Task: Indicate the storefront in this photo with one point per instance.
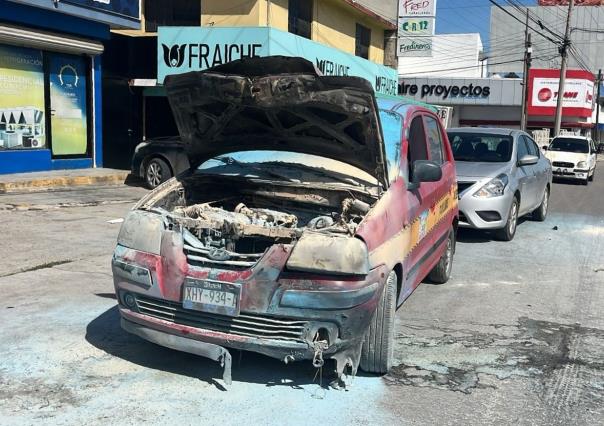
(497, 101)
(50, 75)
(183, 49)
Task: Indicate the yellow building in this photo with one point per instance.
(361, 28)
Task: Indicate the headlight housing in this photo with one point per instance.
(327, 253)
(582, 165)
(493, 188)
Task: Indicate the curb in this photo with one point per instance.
(43, 184)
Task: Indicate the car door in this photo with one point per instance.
(525, 176)
(426, 142)
(540, 170)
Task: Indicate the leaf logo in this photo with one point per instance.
(174, 56)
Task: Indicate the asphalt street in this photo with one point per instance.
(516, 336)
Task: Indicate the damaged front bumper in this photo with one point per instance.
(283, 315)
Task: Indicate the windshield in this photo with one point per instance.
(481, 147)
(580, 146)
(287, 166)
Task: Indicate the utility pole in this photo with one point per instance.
(599, 82)
(564, 55)
(525, 76)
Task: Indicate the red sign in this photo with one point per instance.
(578, 96)
(565, 2)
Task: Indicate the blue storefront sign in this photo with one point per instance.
(127, 8)
(184, 49)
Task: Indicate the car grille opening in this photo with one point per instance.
(462, 186)
(563, 164)
(488, 215)
(463, 218)
(249, 325)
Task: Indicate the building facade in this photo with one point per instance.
(340, 36)
(50, 81)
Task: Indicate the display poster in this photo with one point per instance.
(22, 120)
(68, 122)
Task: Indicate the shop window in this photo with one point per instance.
(173, 13)
(362, 41)
(68, 104)
(22, 99)
(300, 17)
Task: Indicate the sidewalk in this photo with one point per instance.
(60, 179)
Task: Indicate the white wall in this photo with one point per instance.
(453, 55)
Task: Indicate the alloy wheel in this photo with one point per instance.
(513, 218)
(154, 174)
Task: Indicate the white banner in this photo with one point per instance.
(417, 8)
(415, 26)
(578, 93)
(420, 46)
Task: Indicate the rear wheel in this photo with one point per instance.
(507, 233)
(442, 271)
(157, 172)
(541, 213)
(377, 353)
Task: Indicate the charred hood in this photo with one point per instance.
(277, 103)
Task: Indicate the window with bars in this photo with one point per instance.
(160, 13)
(362, 41)
(300, 17)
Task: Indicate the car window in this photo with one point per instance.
(435, 141)
(392, 125)
(417, 142)
(531, 146)
(522, 148)
(481, 147)
(580, 146)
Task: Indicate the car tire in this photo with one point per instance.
(540, 214)
(377, 352)
(157, 171)
(441, 273)
(591, 178)
(507, 233)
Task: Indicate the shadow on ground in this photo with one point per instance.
(470, 235)
(105, 333)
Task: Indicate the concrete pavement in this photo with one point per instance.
(515, 337)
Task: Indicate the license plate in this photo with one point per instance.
(211, 296)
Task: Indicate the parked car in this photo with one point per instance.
(310, 212)
(157, 160)
(573, 157)
(501, 176)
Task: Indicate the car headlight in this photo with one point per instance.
(582, 165)
(493, 188)
(328, 253)
(141, 231)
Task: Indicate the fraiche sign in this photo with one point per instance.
(578, 95)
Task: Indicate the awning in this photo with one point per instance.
(19, 36)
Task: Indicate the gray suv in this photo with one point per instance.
(501, 176)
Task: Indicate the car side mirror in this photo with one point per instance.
(528, 160)
(425, 171)
(544, 147)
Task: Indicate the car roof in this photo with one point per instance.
(488, 130)
(585, 138)
(401, 105)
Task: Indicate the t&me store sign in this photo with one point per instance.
(184, 49)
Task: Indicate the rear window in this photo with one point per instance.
(481, 147)
(580, 146)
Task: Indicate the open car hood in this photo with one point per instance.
(277, 103)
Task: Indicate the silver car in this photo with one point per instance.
(501, 176)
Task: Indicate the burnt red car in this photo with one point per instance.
(311, 212)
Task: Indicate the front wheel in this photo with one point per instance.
(441, 273)
(541, 213)
(157, 171)
(591, 178)
(377, 353)
(507, 233)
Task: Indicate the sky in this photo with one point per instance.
(467, 16)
